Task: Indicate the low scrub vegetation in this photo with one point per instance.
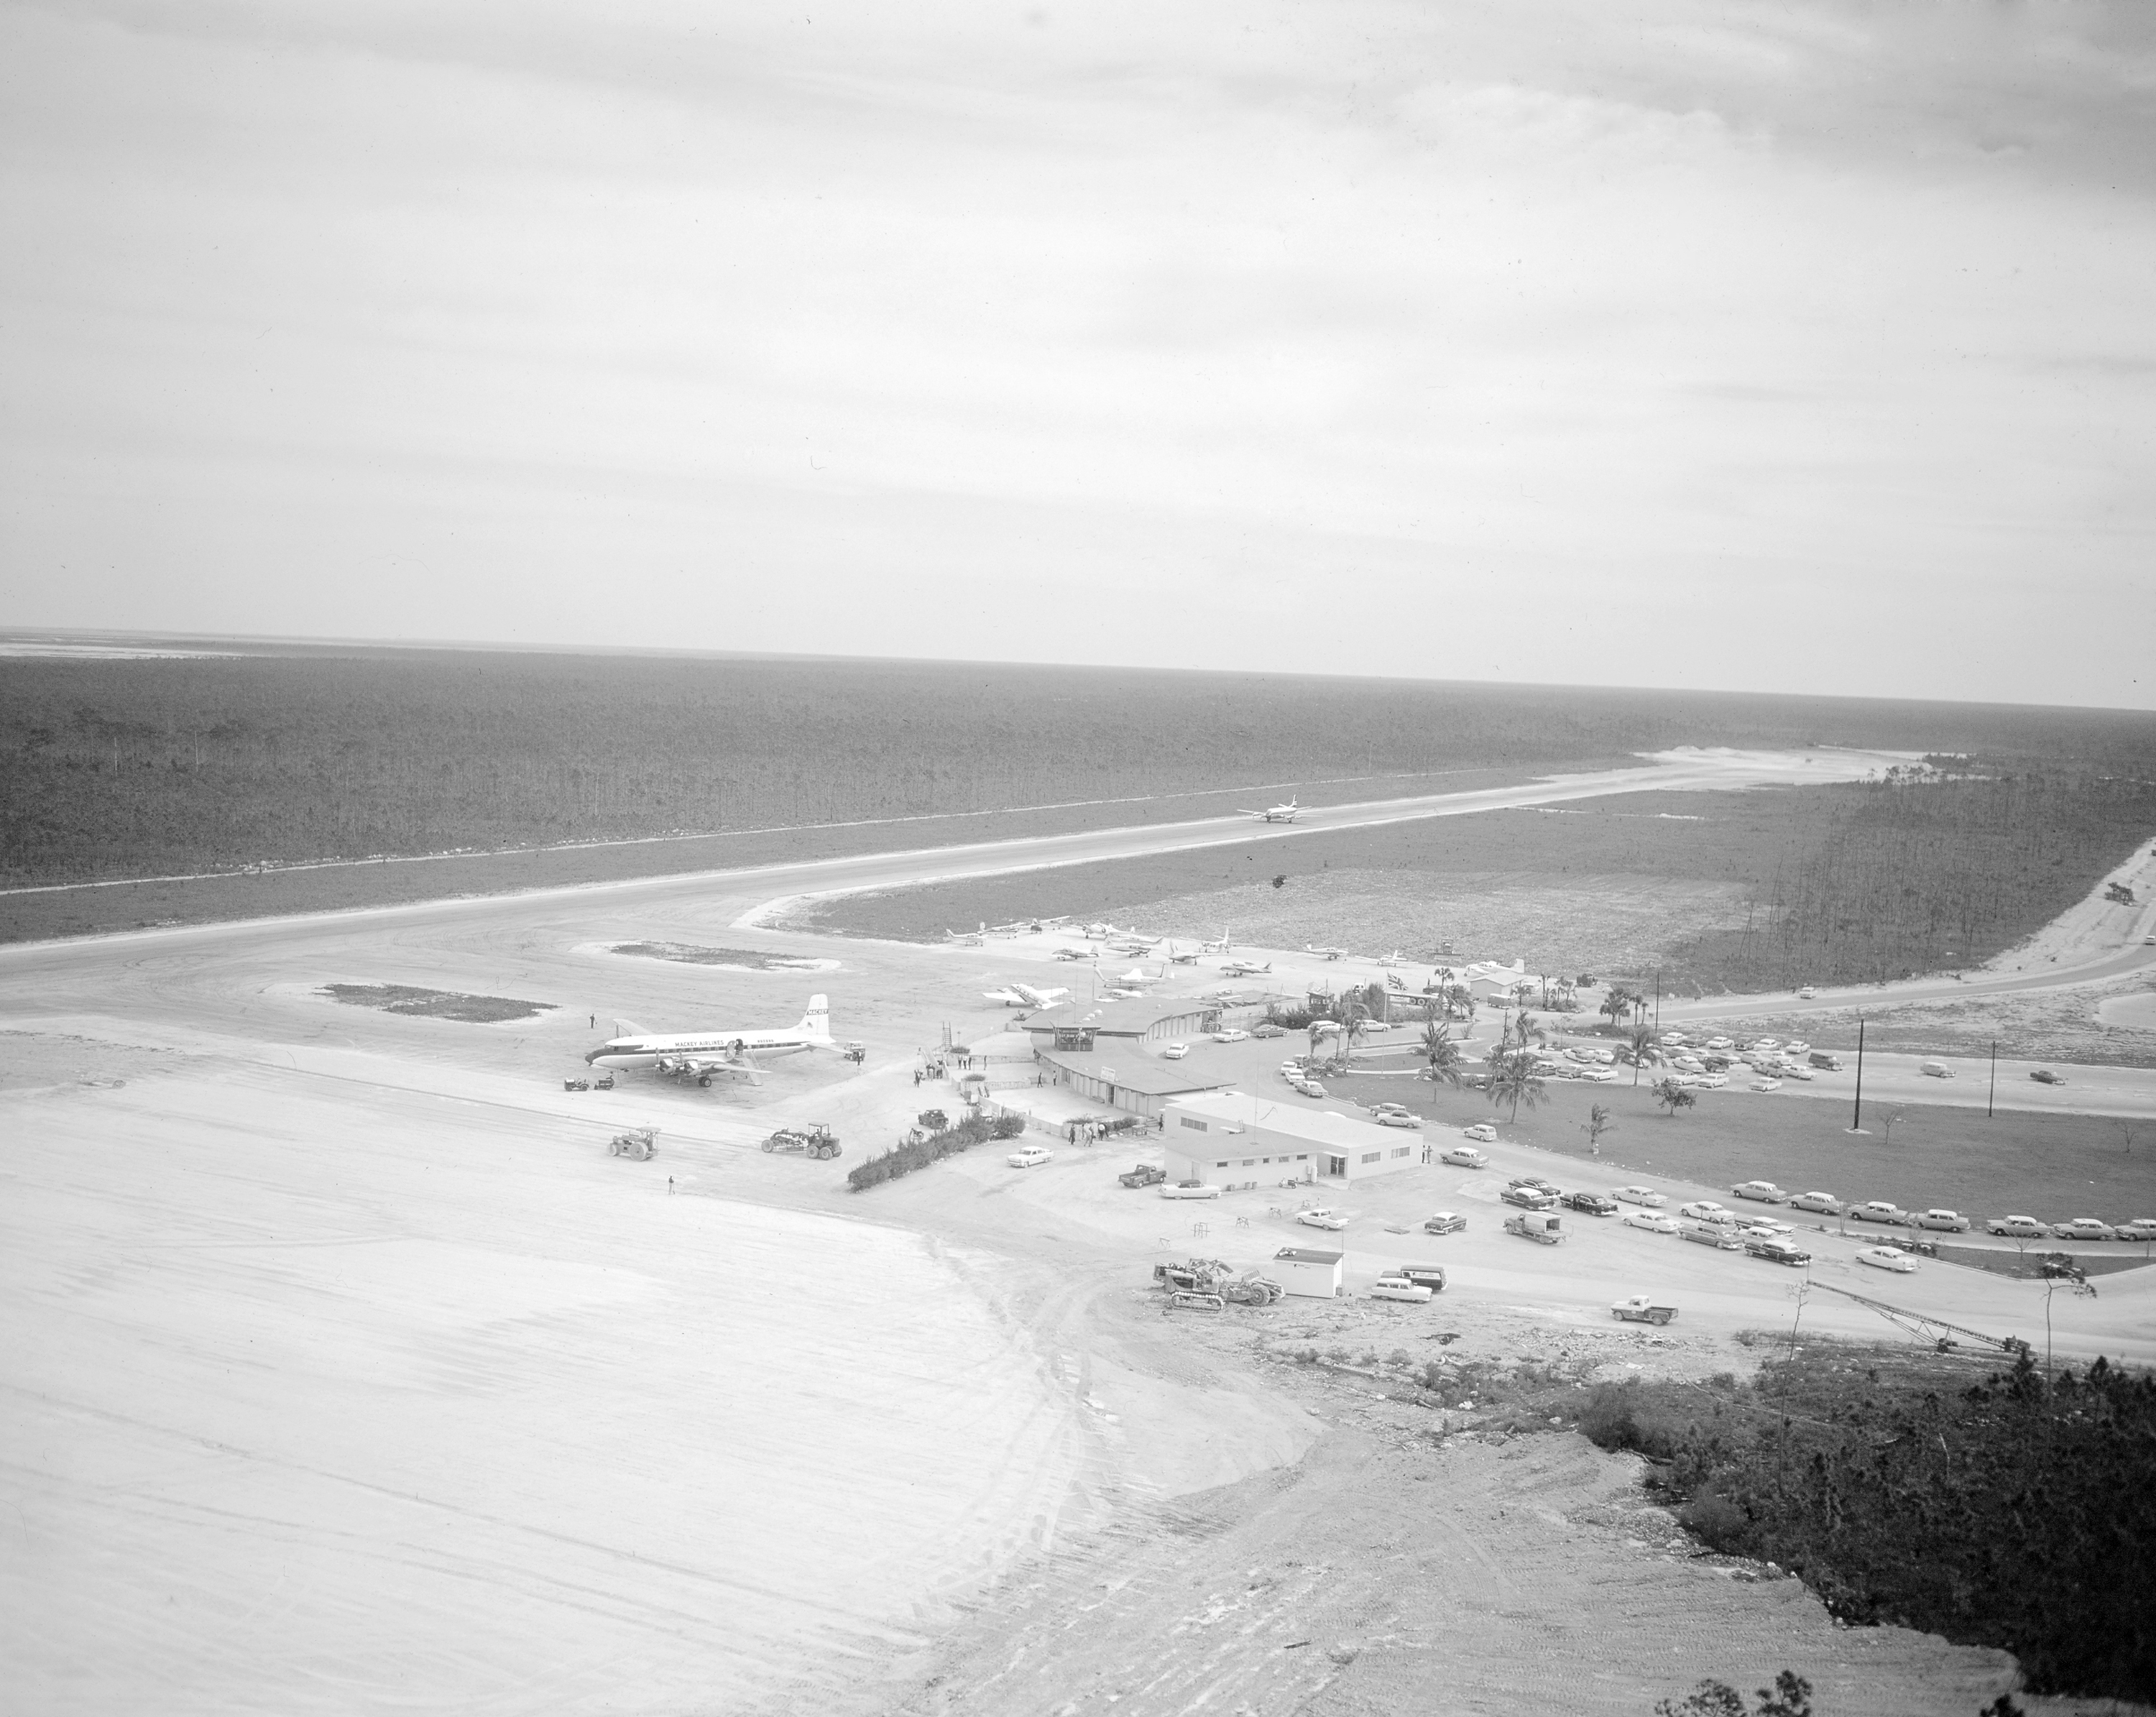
(931, 1145)
(436, 1003)
(2010, 1509)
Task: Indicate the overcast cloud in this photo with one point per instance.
(1799, 347)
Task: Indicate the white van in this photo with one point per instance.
(1935, 1070)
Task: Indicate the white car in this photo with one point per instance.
(1794, 1072)
(1654, 1221)
(1946, 1222)
(1766, 1043)
(1709, 1082)
(1796, 1046)
(1720, 1043)
(1377, 1024)
(2017, 1227)
(1824, 1204)
(1466, 1156)
(1187, 1189)
(1765, 1191)
(1705, 1210)
(1309, 1088)
(1398, 1118)
(1032, 1157)
(1175, 1051)
(2143, 1228)
(1887, 1257)
(1482, 1133)
(1806, 994)
(1232, 1035)
(1323, 1217)
(1766, 1084)
(1400, 1288)
(1641, 1195)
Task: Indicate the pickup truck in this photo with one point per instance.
(1539, 1227)
(1640, 1308)
(1145, 1175)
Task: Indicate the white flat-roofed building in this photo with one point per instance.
(1226, 1138)
(1312, 1272)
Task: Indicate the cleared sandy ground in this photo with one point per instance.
(349, 1373)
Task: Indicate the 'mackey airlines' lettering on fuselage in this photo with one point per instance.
(648, 1050)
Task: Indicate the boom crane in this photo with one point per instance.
(1921, 1325)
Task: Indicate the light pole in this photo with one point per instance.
(1992, 1096)
(1857, 1115)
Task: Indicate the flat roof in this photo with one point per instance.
(1317, 1126)
(1133, 1072)
(1119, 1017)
(1307, 1255)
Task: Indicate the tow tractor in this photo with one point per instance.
(639, 1144)
(815, 1141)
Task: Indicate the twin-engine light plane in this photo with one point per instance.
(1246, 968)
(707, 1055)
(1279, 813)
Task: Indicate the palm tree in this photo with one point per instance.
(1514, 1080)
(1447, 1065)
(1643, 1045)
(1617, 1004)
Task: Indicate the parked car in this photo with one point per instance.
(1400, 1288)
(1765, 1043)
(1464, 1156)
(1796, 1046)
(1398, 1118)
(1268, 1029)
(1482, 1133)
(1765, 1191)
(1797, 1071)
(1592, 1204)
(1946, 1222)
(1720, 1043)
(1032, 1157)
(1641, 1195)
(2016, 1227)
(1766, 1084)
(1533, 1181)
(1654, 1221)
(1705, 1210)
(1528, 1198)
(1887, 1257)
(2084, 1228)
(1879, 1210)
(1175, 1051)
(1233, 1034)
(1323, 1217)
(1777, 1251)
(1189, 1189)
(1935, 1070)
(1710, 1081)
(2045, 1075)
(1429, 1276)
(1145, 1175)
(2140, 1228)
(1824, 1204)
(1761, 1228)
(1309, 1088)
(1443, 1222)
(1706, 1234)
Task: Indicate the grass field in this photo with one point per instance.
(1684, 883)
(2053, 1167)
(436, 1003)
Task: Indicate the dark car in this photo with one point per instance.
(2045, 1075)
(1777, 1251)
(1528, 1198)
(1429, 1276)
(1592, 1203)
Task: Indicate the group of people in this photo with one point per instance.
(940, 1067)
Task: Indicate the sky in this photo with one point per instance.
(1803, 347)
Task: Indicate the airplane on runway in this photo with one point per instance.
(1246, 968)
(1182, 956)
(967, 938)
(1219, 947)
(1390, 959)
(1279, 813)
(1331, 954)
(1138, 974)
(1073, 954)
(707, 1055)
(1025, 995)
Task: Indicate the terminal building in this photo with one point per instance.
(1122, 1078)
(1110, 1024)
(1228, 1138)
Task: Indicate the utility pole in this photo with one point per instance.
(1994, 1095)
(1658, 998)
(1856, 1117)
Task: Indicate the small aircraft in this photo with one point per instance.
(1246, 968)
(967, 938)
(1074, 953)
(1390, 959)
(1025, 995)
(1138, 974)
(1095, 933)
(1279, 813)
(705, 1056)
(1219, 947)
(1126, 994)
(1331, 954)
(1182, 956)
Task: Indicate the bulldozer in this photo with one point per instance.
(814, 1141)
(639, 1144)
(1212, 1277)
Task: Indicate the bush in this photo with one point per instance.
(975, 1130)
